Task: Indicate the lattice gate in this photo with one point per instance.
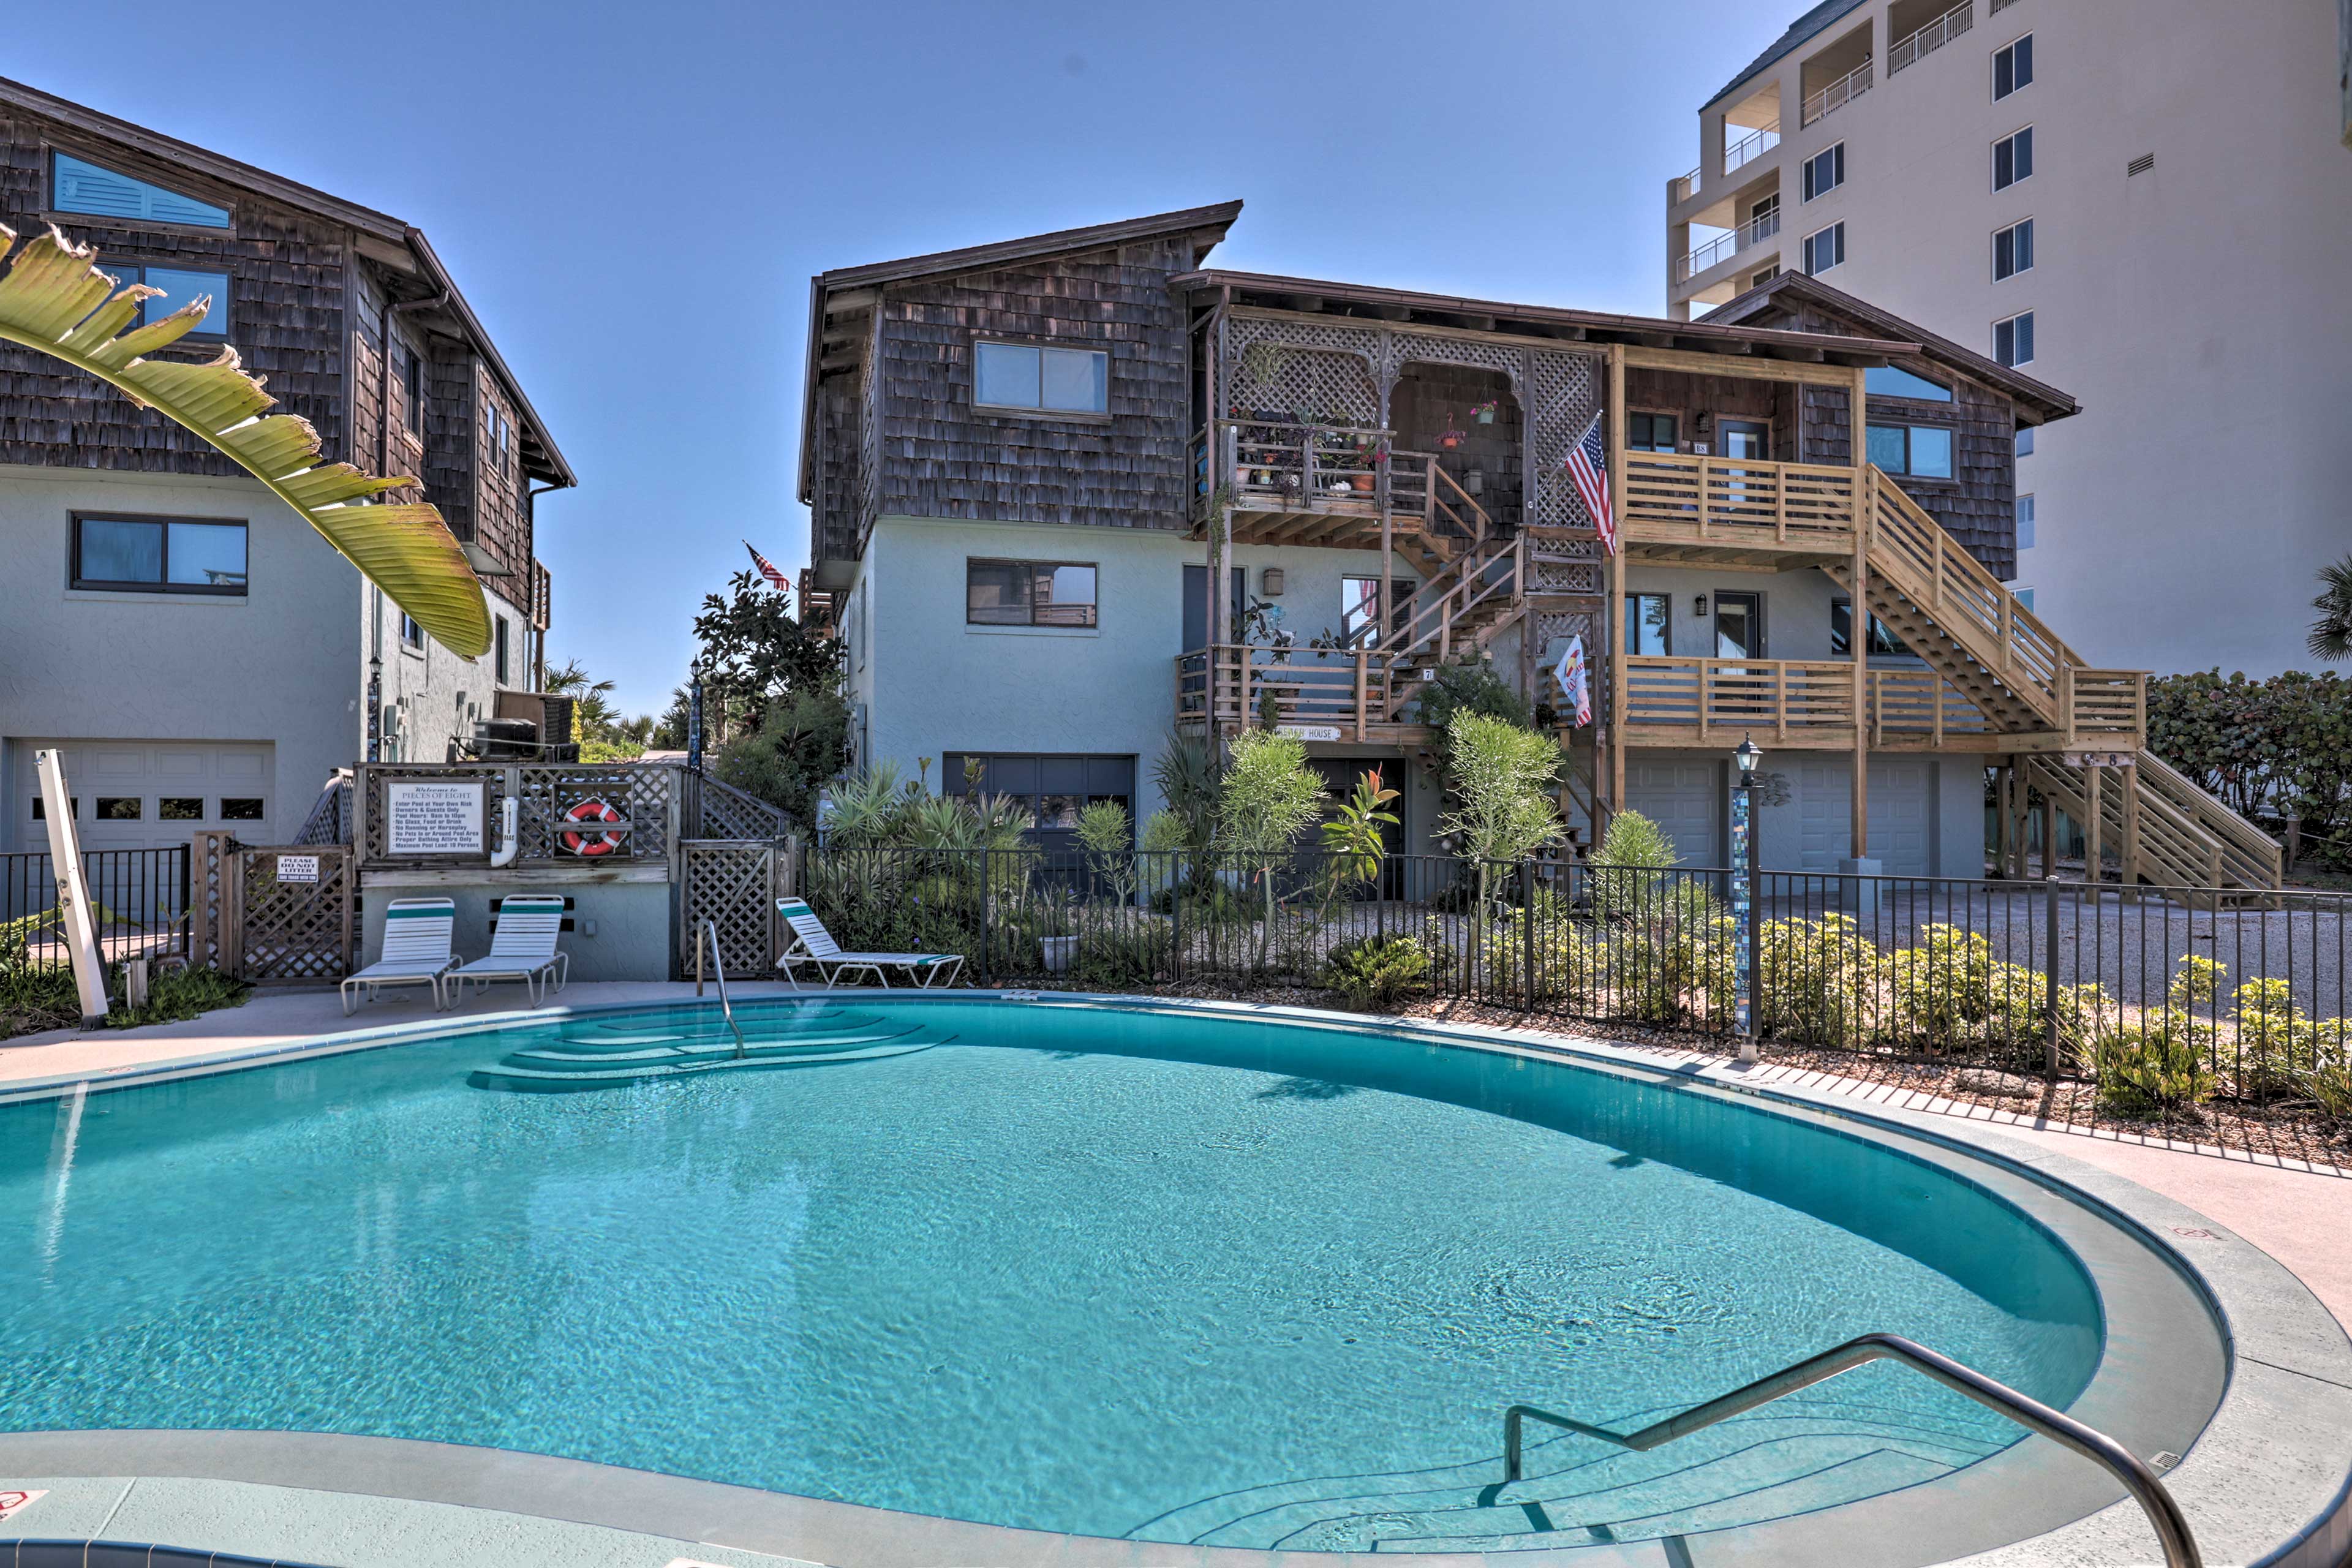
(733, 883)
(295, 908)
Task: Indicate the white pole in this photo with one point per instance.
(73, 887)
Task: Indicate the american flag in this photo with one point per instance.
(1588, 465)
(768, 570)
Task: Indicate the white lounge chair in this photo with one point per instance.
(522, 947)
(416, 950)
(813, 945)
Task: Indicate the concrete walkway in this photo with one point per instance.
(2299, 1213)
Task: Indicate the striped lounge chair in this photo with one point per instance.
(522, 947)
(813, 946)
(416, 933)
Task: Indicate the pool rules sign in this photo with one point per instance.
(436, 819)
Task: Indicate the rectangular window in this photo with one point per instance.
(2012, 250)
(2013, 68)
(1029, 594)
(2024, 597)
(1359, 602)
(41, 808)
(1650, 432)
(1824, 172)
(2013, 341)
(180, 808)
(1051, 381)
(119, 809)
(1763, 277)
(412, 391)
(1646, 628)
(181, 286)
(236, 809)
(1882, 640)
(2025, 522)
(75, 187)
(499, 625)
(1893, 381)
(1923, 451)
(2012, 159)
(159, 556)
(1825, 249)
(412, 635)
(2025, 440)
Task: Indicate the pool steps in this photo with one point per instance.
(592, 1054)
(1767, 1471)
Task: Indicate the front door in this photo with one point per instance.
(1196, 605)
(1749, 438)
(1739, 626)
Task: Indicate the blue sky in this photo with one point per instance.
(576, 163)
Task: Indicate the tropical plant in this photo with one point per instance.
(1188, 779)
(1373, 975)
(53, 298)
(755, 653)
(2156, 1068)
(1472, 688)
(2331, 635)
(1354, 840)
(1630, 868)
(1267, 799)
(1496, 774)
(1108, 835)
(2281, 746)
(802, 743)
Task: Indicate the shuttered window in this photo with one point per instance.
(75, 187)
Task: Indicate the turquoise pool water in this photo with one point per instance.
(1063, 1266)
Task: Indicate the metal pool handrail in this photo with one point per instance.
(2172, 1525)
(709, 932)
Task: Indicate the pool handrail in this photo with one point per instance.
(2171, 1526)
(708, 931)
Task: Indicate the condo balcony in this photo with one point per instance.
(1915, 39)
(1731, 243)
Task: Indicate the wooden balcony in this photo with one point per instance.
(1335, 486)
(1809, 705)
(1738, 511)
(1352, 695)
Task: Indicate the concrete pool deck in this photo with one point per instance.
(349, 1501)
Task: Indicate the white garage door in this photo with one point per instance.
(1902, 814)
(1686, 799)
(132, 794)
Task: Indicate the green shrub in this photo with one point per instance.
(1949, 991)
(2278, 1044)
(1817, 980)
(1568, 958)
(2156, 1068)
(2329, 1088)
(1679, 965)
(1627, 870)
(1376, 974)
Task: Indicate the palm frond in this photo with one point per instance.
(53, 298)
(2331, 635)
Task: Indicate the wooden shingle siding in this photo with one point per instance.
(285, 269)
(834, 524)
(938, 457)
(501, 513)
(449, 419)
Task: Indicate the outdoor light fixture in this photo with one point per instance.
(1698, 605)
(1748, 757)
(1270, 581)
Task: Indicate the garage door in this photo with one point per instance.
(1902, 814)
(133, 795)
(1687, 800)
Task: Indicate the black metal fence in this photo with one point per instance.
(2173, 995)
(139, 898)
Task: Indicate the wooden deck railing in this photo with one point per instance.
(1225, 687)
(1775, 696)
(1672, 498)
(1355, 470)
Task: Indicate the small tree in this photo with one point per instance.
(1108, 837)
(803, 742)
(754, 653)
(1354, 837)
(1498, 775)
(1267, 799)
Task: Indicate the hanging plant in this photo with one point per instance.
(1485, 412)
(1450, 439)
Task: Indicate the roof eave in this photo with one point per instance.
(555, 466)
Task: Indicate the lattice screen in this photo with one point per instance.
(212, 874)
(1302, 370)
(1428, 348)
(641, 795)
(733, 885)
(722, 811)
(1566, 394)
(296, 931)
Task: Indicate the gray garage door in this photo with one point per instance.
(1902, 813)
(134, 795)
(1686, 799)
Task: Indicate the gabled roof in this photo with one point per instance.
(1810, 25)
(397, 245)
(843, 293)
(2038, 397)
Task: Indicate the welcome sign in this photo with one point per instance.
(440, 818)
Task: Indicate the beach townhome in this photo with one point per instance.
(1076, 493)
(202, 656)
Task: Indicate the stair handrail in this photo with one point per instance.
(2172, 1532)
(1483, 524)
(709, 930)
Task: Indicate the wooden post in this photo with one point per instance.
(1363, 690)
(2002, 783)
(1857, 618)
(2049, 836)
(2130, 806)
(1610, 656)
(2091, 813)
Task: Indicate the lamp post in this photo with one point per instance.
(1744, 878)
(694, 721)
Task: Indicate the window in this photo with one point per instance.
(1359, 602)
(2025, 440)
(1882, 640)
(1028, 593)
(1923, 451)
(2012, 159)
(180, 808)
(2013, 341)
(2012, 250)
(1824, 172)
(181, 286)
(412, 635)
(234, 809)
(412, 390)
(1054, 788)
(1763, 277)
(1825, 249)
(499, 625)
(2025, 522)
(2024, 597)
(119, 809)
(1053, 381)
(41, 808)
(1650, 432)
(2013, 68)
(75, 187)
(159, 556)
(502, 436)
(1893, 381)
(1646, 630)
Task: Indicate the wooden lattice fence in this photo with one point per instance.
(254, 922)
(734, 884)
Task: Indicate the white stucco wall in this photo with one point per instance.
(430, 695)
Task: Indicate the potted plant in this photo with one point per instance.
(1485, 412)
(1450, 439)
(1057, 938)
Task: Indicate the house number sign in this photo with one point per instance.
(436, 816)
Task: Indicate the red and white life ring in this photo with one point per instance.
(592, 844)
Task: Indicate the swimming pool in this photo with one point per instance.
(1179, 1275)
